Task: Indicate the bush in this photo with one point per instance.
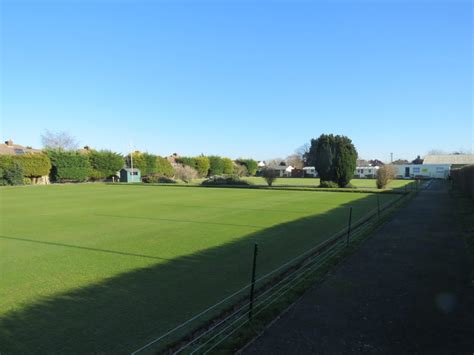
(463, 179)
(69, 166)
(158, 179)
(185, 173)
(202, 165)
(384, 175)
(164, 167)
(328, 184)
(218, 180)
(139, 162)
(240, 170)
(270, 175)
(216, 165)
(104, 163)
(250, 164)
(228, 166)
(34, 165)
(11, 172)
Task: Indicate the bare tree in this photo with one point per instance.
(270, 175)
(384, 175)
(273, 163)
(59, 140)
(295, 161)
(303, 151)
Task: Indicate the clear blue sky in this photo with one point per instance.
(239, 78)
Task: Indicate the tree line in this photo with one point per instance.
(98, 165)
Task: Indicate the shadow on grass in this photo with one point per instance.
(126, 311)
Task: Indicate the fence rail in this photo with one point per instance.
(227, 316)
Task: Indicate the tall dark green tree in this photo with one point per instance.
(334, 158)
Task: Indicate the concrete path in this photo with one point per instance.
(407, 290)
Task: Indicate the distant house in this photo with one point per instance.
(423, 171)
(366, 172)
(130, 175)
(310, 171)
(9, 148)
(261, 164)
(283, 170)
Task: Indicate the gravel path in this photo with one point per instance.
(407, 290)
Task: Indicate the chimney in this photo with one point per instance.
(9, 143)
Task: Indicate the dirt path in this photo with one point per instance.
(408, 290)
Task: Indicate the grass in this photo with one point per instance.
(94, 267)
(314, 182)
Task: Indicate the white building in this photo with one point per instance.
(366, 172)
(283, 171)
(411, 171)
(310, 171)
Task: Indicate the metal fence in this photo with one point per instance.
(204, 332)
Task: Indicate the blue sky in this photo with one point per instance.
(239, 78)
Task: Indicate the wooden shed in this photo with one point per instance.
(130, 175)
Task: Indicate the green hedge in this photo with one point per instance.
(69, 166)
(104, 163)
(164, 167)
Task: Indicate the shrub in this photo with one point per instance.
(219, 180)
(228, 166)
(202, 165)
(164, 167)
(250, 164)
(104, 163)
(270, 175)
(185, 173)
(69, 166)
(158, 178)
(328, 184)
(11, 172)
(384, 175)
(240, 170)
(216, 165)
(139, 162)
(150, 164)
(34, 165)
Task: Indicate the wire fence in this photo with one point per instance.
(208, 329)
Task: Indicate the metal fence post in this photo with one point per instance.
(349, 226)
(252, 287)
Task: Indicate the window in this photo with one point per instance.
(439, 169)
(416, 170)
(134, 173)
(19, 151)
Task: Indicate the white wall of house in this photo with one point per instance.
(364, 172)
(310, 171)
(435, 171)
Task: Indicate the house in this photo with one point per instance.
(366, 172)
(261, 164)
(283, 170)
(9, 148)
(422, 171)
(130, 175)
(310, 171)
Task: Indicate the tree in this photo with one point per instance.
(384, 175)
(69, 166)
(418, 160)
(295, 160)
(105, 163)
(202, 165)
(334, 158)
(34, 165)
(376, 162)
(270, 175)
(344, 161)
(164, 167)
(139, 161)
(216, 165)
(240, 170)
(228, 166)
(58, 140)
(250, 164)
(321, 155)
(185, 173)
(150, 164)
(11, 172)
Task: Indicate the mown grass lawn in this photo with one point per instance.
(358, 183)
(103, 268)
